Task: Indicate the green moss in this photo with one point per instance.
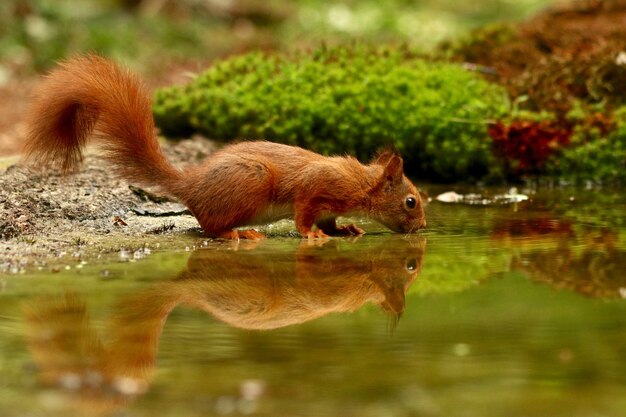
(594, 155)
(344, 100)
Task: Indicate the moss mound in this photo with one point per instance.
(345, 100)
(568, 63)
(597, 152)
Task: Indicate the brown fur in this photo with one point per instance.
(237, 186)
(247, 289)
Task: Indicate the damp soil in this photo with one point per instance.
(49, 219)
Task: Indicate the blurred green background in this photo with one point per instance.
(148, 34)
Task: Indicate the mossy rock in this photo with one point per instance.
(594, 155)
(338, 100)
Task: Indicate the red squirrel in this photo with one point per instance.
(241, 184)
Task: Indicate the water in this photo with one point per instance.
(512, 310)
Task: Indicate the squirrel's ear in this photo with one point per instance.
(381, 158)
(394, 169)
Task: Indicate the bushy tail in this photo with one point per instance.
(90, 95)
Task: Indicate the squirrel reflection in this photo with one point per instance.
(246, 289)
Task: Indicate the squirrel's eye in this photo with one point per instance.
(411, 202)
(411, 265)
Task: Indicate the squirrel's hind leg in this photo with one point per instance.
(230, 192)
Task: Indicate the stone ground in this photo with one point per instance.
(48, 219)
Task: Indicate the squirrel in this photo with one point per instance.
(241, 184)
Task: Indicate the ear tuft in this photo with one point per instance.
(382, 157)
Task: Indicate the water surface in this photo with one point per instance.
(504, 310)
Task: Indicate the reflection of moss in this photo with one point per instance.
(471, 263)
(596, 271)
